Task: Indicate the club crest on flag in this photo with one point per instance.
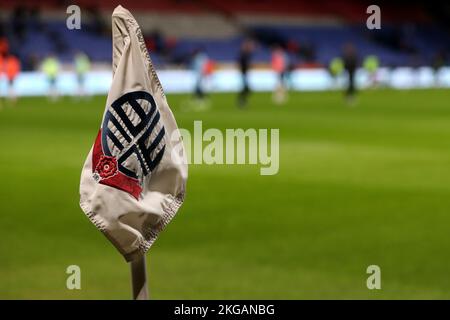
(130, 143)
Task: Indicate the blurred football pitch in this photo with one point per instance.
(357, 186)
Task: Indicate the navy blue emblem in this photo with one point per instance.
(139, 133)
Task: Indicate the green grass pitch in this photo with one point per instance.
(357, 186)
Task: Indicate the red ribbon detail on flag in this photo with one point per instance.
(108, 173)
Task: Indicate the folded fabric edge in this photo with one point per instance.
(152, 233)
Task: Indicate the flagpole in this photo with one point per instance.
(139, 279)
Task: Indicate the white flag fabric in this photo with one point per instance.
(134, 178)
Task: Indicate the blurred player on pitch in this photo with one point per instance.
(280, 66)
(350, 58)
(82, 67)
(244, 60)
(200, 67)
(336, 69)
(371, 65)
(11, 66)
(50, 67)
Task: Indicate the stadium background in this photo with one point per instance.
(358, 185)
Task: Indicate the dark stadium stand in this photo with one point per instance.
(314, 40)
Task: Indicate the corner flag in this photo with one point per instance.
(134, 178)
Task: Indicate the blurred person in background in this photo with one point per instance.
(82, 67)
(280, 67)
(350, 59)
(2, 71)
(50, 67)
(244, 60)
(336, 69)
(11, 67)
(199, 66)
(371, 65)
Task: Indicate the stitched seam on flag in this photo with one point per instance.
(93, 218)
(99, 224)
(152, 233)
